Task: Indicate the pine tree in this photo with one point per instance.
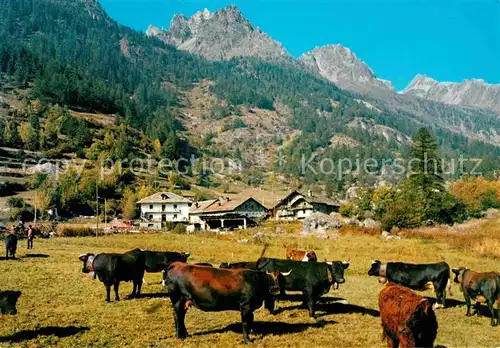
(425, 163)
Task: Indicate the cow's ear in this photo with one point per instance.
(83, 257)
(455, 270)
(346, 263)
(187, 253)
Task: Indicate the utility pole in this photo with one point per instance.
(34, 221)
(97, 209)
(105, 213)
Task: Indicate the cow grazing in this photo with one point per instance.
(417, 277)
(10, 246)
(111, 269)
(479, 287)
(314, 279)
(408, 320)
(301, 255)
(8, 300)
(237, 265)
(214, 290)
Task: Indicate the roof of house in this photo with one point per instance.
(224, 204)
(164, 197)
(311, 200)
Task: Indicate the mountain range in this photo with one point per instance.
(227, 34)
(225, 88)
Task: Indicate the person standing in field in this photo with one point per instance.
(31, 236)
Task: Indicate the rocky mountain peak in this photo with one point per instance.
(472, 93)
(220, 35)
(341, 66)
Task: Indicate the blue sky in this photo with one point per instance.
(447, 40)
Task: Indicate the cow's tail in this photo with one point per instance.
(261, 255)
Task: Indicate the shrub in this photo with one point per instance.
(349, 209)
(16, 202)
(477, 194)
(74, 231)
(179, 229)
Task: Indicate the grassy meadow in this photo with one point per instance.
(61, 306)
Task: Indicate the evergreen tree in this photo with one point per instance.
(425, 163)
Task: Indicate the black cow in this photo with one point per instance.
(213, 290)
(236, 265)
(158, 261)
(10, 246)
(115, 268)
(314, 279)
(419, 277)
(8, 300)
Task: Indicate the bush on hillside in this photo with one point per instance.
(74, 231)
(477, 194)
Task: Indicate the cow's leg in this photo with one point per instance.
(108, 292)
(311, 302)
(116, 286)
(139, 288)
(440, 293)
(468, 304)
(246, 323)
(491, 307)
(7, 252)
(477, 309)
(179, 315)
(269, 304)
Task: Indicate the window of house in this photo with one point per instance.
(175, 216)
(150, 206)
(150, 217)
(175, 206)
(163, 207)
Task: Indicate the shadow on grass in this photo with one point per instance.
(269, 328)
(36, 256)
(3, 258)
(343, 308)
(155, 295)
(57, 331)
(300, 298)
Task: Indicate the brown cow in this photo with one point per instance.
(408, 319)
(479, 287)
(214, 290)
(301, 255)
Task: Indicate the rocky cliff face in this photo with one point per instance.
(222, 35)
(473, 93)
(340, 65)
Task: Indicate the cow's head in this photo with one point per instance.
(224, 265)
(459, 273)
(337, 269)
(311, 256)
(8, 300)
(375, 268)
(274, 285)
(185, 255)
(88, 263)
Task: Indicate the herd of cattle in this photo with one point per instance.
(407, 318)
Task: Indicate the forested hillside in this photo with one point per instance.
(72, 54)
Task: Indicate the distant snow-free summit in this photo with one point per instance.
(221, 35)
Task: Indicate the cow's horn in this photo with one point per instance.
(82, 256)
(329, 263)
(347, 261)
(287, 273)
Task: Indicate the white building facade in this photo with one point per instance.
(164, 207)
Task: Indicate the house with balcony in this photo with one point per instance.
(226, 213)
(298, 206)
(163, 207)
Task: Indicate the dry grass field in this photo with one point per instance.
(60, 306)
